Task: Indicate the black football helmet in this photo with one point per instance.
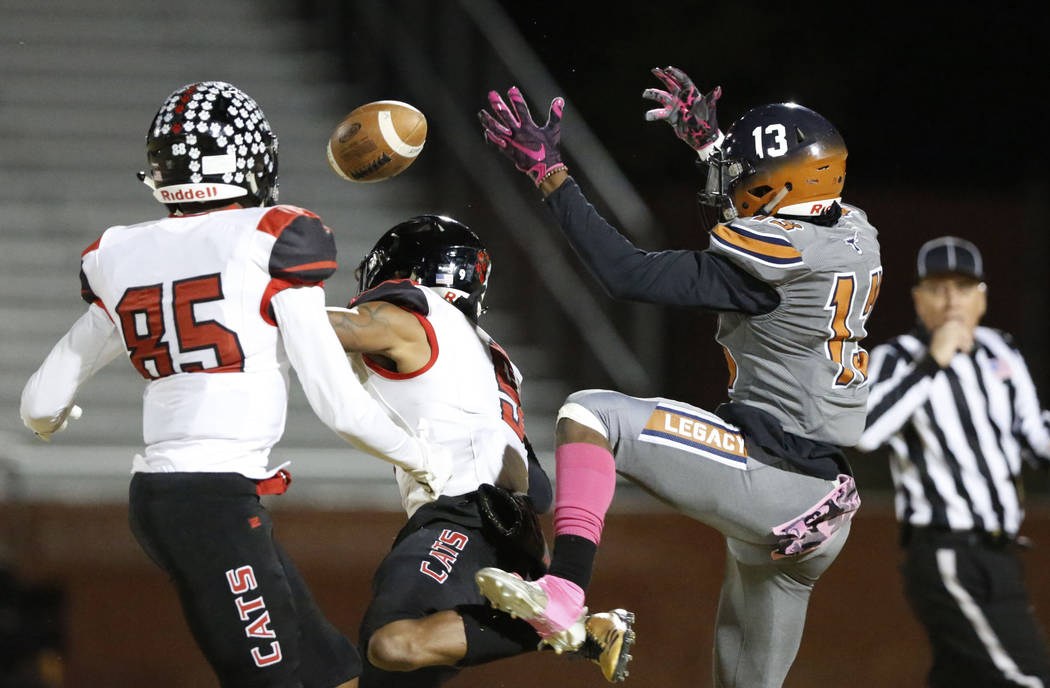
(210, 142)
(437, 252)
(780, 159)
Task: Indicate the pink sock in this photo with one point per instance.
(586, 481)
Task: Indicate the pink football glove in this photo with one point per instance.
(690, 113)
(533, 149)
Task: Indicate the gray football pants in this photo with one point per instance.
(762, 606)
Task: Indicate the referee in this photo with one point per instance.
(957, 407)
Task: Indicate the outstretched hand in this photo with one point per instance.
(425, 483)
(72, 413)
(532, 148)
(689, 112)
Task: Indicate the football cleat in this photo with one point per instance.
(529, 601)
(569, 640)
(610, 636)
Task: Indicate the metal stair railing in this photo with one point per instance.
(472, 33)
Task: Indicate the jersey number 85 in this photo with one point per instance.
(142, 323)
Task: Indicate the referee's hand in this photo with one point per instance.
(948, 339)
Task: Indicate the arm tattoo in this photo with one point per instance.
(370, 316)
(369, 329)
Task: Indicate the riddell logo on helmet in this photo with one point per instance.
(198, 192)
(184, 194)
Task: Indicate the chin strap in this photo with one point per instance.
(145, 180)
(768, 208)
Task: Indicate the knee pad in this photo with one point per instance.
(577, 407)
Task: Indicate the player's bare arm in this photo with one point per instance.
(555, 180)
(382, 329)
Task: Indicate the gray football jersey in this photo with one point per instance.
(803, 362)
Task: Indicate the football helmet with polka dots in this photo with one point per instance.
(210, 142)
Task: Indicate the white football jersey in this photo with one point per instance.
(465, 398)
(191, 298)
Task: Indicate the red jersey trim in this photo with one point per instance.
(230, 368)
(431, 339)
(317, 265)
(272, 289)
(91, 248)
(276, 219)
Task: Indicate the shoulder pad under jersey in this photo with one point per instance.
(304, 250)
(763, 247)
(403, 293)
(86, 292)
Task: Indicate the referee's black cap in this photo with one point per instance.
(949, 255)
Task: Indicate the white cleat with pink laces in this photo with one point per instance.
(551, 605)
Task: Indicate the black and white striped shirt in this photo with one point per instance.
(958, 435)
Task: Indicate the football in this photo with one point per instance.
(377, 141)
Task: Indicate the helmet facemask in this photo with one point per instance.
(435, 252)
(716, 201)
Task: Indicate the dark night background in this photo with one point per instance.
(942, 106)
(943, 110)
(929, 98)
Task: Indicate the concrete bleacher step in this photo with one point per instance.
(123, 144)
(113, 61)
(97, 26)
(191, 11)
(31, 119)
(323, 93)
(81, 83)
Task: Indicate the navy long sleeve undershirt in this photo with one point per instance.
(698, 279)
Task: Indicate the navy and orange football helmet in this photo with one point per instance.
(780, 159)
(437, 252)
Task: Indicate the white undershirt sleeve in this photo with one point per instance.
(330, 385)
(90, 344)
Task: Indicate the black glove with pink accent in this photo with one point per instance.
(533, 149)
(690, 113)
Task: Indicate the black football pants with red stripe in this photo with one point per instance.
(246, 604)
